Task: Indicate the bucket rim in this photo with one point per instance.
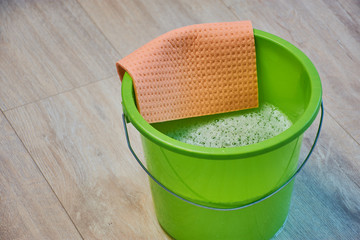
(298, 128)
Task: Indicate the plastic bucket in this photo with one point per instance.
(227, 181)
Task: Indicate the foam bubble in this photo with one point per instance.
(232, 129)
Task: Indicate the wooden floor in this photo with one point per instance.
(65, 171)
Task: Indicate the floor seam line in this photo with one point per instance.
(42, 174)
(54, 95)
(342, 127)
(97, 26)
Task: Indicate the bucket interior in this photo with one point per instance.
(282, 80)
(286, 79)
(231, 177)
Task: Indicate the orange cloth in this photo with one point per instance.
(193, 71)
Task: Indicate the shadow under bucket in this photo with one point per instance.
(240, 192)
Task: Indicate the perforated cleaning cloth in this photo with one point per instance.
(193, 71)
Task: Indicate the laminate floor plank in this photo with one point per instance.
(48, 47)
(326, 198)
(130, 24)
(77, 140)
(28, 207)
(328, 33)
(60, 93)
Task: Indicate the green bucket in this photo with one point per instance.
(241, 192)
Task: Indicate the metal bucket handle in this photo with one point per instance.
(226, 209)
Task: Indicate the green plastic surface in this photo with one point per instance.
(232, 177)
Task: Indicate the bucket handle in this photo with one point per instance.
(225, 209)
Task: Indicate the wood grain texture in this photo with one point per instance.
(48, 47)
(76, 137)
(326, 198)
(80, 147)
(129, 24)
(81, 150)
(329, 34)
(28, 207)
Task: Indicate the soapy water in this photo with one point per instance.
(231, 129)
